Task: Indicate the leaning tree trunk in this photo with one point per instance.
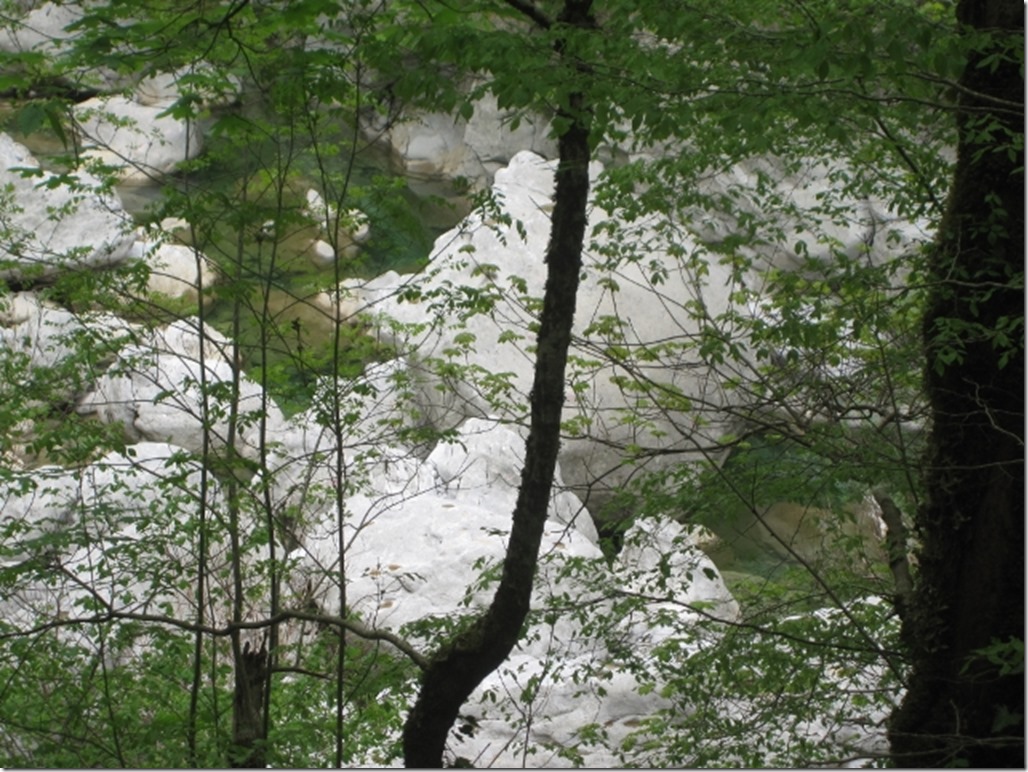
(963, 708)
(461, 664)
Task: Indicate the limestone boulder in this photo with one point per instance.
(49, 227)
(165, 88)
(501, 261)
(43, 28)
(483, 466)
(46, 336)
(425, 557)
(476, 304)
(176, 270)
(435, 146)
(141, 142)
(157, 391)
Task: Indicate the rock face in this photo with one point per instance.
(47, 229)
(425, 534)
(501, 262)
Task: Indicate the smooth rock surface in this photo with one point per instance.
(55, 229)
(142, 142)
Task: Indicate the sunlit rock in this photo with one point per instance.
(176, 270)
(47, 336)
(503, 262)
(50, 228)
(42, 29)
(422, 552)
(177, 389)
(140, 143)
(434, 146)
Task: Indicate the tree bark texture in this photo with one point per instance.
(248, 726)
(462, 663)
(960, 709)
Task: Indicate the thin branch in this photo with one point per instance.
(737, 623)
(111, 615)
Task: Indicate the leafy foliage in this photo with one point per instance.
(711, 121)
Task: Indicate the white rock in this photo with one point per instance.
(157, 396)
(436, 146)
(484, 467)
(688, 574)
(176, 270)
(46, 334)
(111, 523)
(352, 227)
(302, 463)
(34, 505)
(41, 29)
(486, 255)
(141, 141)
(419, 556)
(165, 88)
(322, 252)
(53, 229)
(45, 30)
(655, 301)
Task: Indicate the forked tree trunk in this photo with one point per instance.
(961, 709)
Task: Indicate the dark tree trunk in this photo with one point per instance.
(248, 740)
(461, 664)
(960, 709)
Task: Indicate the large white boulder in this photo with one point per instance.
(475, 307)
(177, 388)
(503, 262)
(106, 524)
(50, 227)
(142, 142)
(41, 29)
(419, 546)
(483, 466)
(176, 270)
(45, 336)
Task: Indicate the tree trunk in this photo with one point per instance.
(248, 740)
(461, 664)
(961, 709)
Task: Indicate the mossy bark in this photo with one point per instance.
(960, 709)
